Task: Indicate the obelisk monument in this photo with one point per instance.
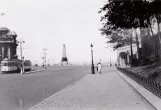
(64, 60)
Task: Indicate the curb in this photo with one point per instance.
(37, 71)
(45, 100)
(150, 97)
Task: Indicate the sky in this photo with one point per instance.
(51, 23)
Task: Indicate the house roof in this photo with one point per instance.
(4, 29)
(12, 33)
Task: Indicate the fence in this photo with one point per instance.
(147, 83)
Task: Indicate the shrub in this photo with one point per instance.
(149, 60)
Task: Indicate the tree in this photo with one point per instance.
(131, 14)
(119, 38)
(116, 18)
(156, 14)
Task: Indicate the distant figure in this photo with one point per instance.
(21, 69)
(99, 67)
(115, 64)
(36, 65)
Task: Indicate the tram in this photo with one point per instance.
(14, 65)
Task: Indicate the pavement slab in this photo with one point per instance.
(108, 91)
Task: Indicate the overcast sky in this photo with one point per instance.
(52, 23)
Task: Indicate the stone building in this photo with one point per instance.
(124, 54)
(8, 44)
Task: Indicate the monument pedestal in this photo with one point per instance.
(64, 63)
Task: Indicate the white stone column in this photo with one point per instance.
(2, 52)
(128, 59)
(9, 53)
(64, 51)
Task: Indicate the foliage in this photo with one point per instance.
(129, 14)
(118, 40)
(123, 15)
(149, 60)
(155, 12)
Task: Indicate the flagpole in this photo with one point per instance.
(1, 18)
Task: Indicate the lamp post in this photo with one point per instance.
(92, 65)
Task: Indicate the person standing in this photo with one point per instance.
(99, 66)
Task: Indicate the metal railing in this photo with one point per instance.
(147, 83)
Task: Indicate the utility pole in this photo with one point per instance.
(48, 62)
(21, 52)
(21, 48)
(44, 60)
(2, 14)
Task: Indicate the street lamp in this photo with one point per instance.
(92, 65)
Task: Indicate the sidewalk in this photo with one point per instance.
(108, 91)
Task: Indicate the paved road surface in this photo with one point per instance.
(21, 92)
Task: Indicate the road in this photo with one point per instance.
(22, 91)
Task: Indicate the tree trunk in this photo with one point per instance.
(150, 27)
(131, 49)
(159, 31)
(153, 40)
(137, 44)
(159, 51)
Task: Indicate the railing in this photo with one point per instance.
(147, 83)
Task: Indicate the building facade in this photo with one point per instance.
(8, 44)
(124, 54)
